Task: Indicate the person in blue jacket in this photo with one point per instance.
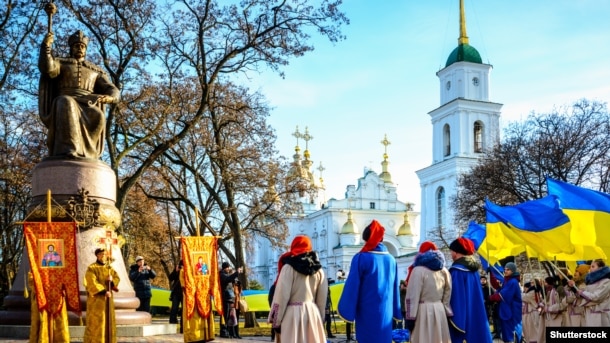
(469, 322)
(510, 304)
(141, 275)
(371, 296)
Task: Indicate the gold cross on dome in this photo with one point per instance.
(297, 134)
(306, 137)
(385, 143)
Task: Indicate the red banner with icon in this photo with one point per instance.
(52, 255)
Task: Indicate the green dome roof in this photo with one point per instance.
(464, 53)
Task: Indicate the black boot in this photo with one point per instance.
(236, 330)
(329, 333)
(224, 333)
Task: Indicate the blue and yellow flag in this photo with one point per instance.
(538, 227)
(501, 241)
(477, 233)
(589, 213)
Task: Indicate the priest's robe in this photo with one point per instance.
(96, 286)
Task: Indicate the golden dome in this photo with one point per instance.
(405, 228)
(349, 226)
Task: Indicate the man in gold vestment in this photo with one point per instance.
(100, 281)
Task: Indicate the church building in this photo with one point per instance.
(465, 125)
(335, 226)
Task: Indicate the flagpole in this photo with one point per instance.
(197, 221)
(108, 299)
(559, 270)
(49, 220)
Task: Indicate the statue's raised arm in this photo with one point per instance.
(72, 97)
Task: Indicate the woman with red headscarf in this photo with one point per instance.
(428, 296)
(300, 294)
(370, 295)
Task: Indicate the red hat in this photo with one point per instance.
(427, 246)
(463, 246)
(373, 235)
(424, 247)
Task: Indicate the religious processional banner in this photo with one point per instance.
(201, 278)
(52, 255)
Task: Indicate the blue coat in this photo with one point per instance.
(469, 322)
(510, 309)
(371, 295)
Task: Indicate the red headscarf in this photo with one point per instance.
(300, 245)
(376, 236)
(425, 246)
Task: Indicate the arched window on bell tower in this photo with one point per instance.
(446, 140)
(478, 137)
(440, 207)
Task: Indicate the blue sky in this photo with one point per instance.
(382, 79)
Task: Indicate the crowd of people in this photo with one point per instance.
(565, 299)
(437, 302)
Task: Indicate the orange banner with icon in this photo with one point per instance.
(201, 278)
(52, 255)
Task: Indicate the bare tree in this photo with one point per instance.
(230, 171)
(570, 144)
(18, 21)
(20, 149)
(172, 61)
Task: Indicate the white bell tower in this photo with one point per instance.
(464, 126)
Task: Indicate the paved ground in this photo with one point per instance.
(177, 338)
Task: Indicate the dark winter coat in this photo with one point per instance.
(141, 281)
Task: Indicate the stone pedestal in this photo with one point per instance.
(65, 179)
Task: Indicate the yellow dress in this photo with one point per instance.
(39, 328)
(96, 286)
(196, 328)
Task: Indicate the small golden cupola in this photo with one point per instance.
(405, 235)
(405, 228)
(349, 226)
(349, 234)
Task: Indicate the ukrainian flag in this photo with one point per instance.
(538, 225)
(477, 233)
(500, 241)
(589, 213)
